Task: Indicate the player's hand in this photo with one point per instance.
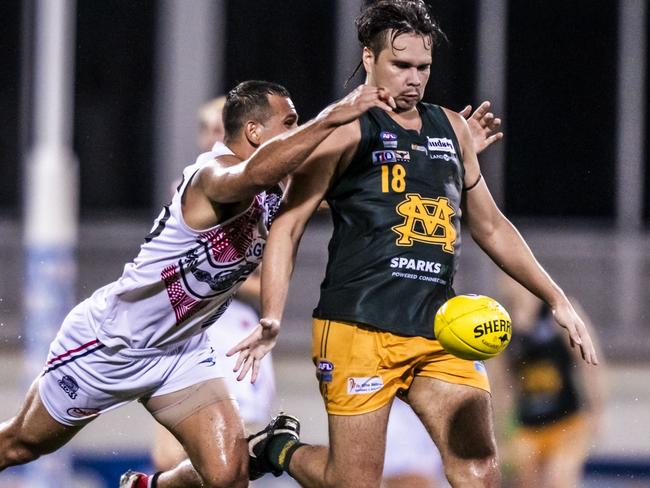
(363, 98)
(253, 348)
(482, 126)
(566, 316)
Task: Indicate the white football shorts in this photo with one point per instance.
(83, 378)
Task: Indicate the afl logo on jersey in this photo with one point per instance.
(324, 371)
(388, 139)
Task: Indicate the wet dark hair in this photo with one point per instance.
(377, 18)
(249, 101)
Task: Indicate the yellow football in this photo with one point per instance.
(473, 327)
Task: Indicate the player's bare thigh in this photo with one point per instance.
(32, 432)
(459, 420)
(215, 442)
(205, 419)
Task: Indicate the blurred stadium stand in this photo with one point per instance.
(608, 272)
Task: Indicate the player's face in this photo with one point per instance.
(283, 118)
(402, 67)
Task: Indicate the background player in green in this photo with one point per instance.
(395, 184)
(548, 403)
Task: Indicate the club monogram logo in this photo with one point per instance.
(426, 220)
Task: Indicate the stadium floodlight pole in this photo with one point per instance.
(50, 205)
(630, 145)
(491, 53)
(492, 80)
(190, 49)
(348, 51)
(630, 114)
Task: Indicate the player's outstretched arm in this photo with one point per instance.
(496, 235)
(275, 159)
(305, 192)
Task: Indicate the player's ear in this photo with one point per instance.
(368, 58)
(253, 133)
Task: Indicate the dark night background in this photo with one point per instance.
(560, 114)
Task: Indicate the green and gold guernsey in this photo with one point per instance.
(396, 214)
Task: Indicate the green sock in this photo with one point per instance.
(281, 448)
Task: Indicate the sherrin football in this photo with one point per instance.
(473, 327)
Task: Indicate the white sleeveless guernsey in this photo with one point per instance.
(182, 279)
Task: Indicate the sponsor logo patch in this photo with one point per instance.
(363, 385)
(440, 144)
(69, 385)
(444, 156)
(417, 265)
(417, 147)
(402, 156)
(388, 139)
(324, 371)
(80, 413)
(383, 157)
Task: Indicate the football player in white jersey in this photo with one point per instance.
(143, 337)
(254, 399)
